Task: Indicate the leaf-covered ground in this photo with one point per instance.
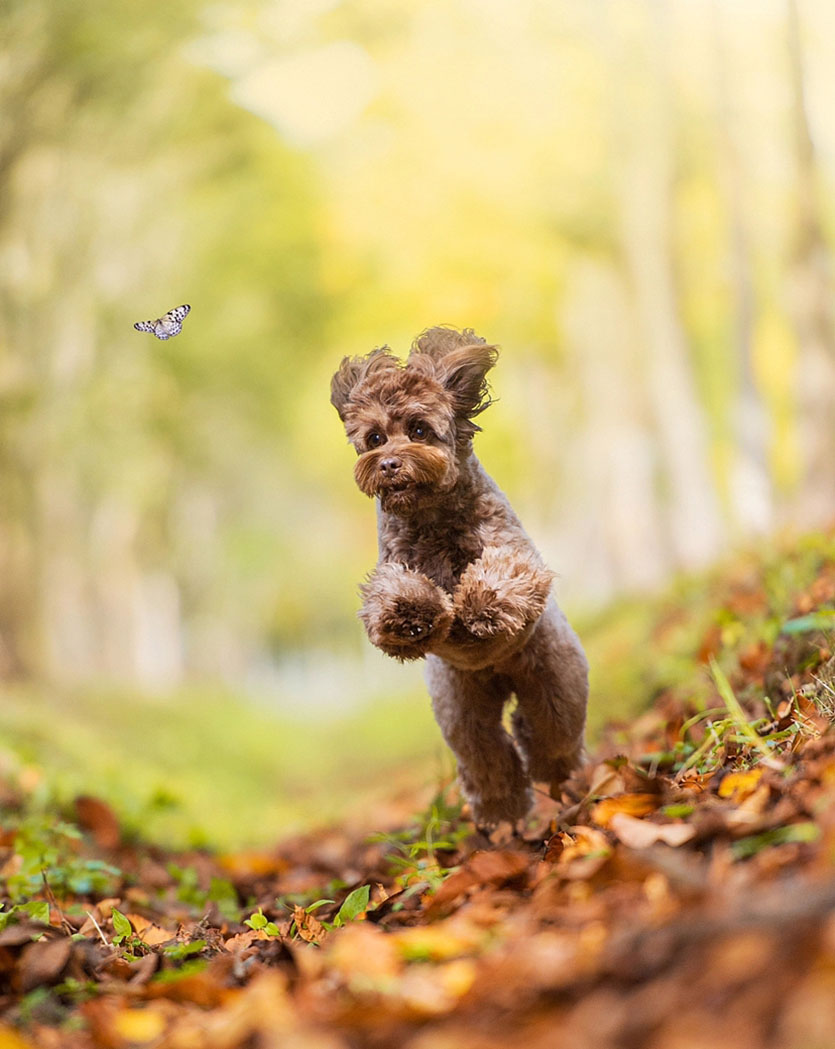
(681, 895)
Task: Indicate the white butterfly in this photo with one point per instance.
(166, 326)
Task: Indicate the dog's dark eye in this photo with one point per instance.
(374, 439)
(420, 431)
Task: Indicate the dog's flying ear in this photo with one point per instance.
(344, 382)
(352, 371)
(463, 373)
(461, 360)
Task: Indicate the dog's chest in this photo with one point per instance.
(441, 554)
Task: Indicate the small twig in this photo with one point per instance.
(98, 929)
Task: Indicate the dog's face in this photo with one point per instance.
(412, 425)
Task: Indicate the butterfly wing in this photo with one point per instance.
(166, 326)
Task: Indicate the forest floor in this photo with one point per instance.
(680, 896)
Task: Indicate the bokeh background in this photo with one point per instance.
(634, 198)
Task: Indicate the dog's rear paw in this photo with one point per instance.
(487, 812)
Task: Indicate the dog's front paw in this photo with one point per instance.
(499, 595)
(404, 611)
(481, 613)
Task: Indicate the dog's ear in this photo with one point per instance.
(463, 373)
(344, 382)
(352, 371)
(460, 361)
(437, 342)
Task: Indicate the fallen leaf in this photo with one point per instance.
(640, 834)
(364, 954)
(584, 851)
(139, 1025)
(97, 817)
(738, 785)
(252, 864)
(149, 932)
(10, 1039)
(439, 942)
(201, 988)
(308, 926)
(498, 868)
(482, 868)
(605, 780)
(436, 992)
(630, 804)
(42, 963)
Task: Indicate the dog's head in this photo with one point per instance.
(412, 425)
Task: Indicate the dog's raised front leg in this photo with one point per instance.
(404, 611)
(502, 592)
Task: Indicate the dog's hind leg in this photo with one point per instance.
(550, 679)
(468, 707)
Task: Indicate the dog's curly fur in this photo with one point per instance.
(458, 580)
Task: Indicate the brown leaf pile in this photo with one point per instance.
(663, 904)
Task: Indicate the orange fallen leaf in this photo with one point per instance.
(441, 941)
(363, 954)
(482, 868)
(435, 992)
(139, 1026)
(149, 932)
(630, 804)
(585, 850)
(10, 1039)
(200, 988)
(738, 785)
(308, 926)
(97, 817)
(252, 864)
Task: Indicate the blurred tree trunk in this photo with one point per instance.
(751, 495)
(639, 90)
(811, 292)
(612, 515)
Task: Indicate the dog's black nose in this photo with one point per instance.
(390, 466)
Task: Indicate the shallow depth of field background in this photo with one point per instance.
(635, 199)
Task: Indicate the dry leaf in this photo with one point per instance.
(200, 988)
(441, 941)
(585, 850)
(309, 928)
(640, 834)
(482, 868)
(97, 817)
(435, 992)
(738, 785)
(10, 1039)
(630, 804)
(364, 954)
(605, 780)
(149, 932)
(139, 1025)
(252, 864)
(43, 962)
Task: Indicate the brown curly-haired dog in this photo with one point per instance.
(458, 581)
